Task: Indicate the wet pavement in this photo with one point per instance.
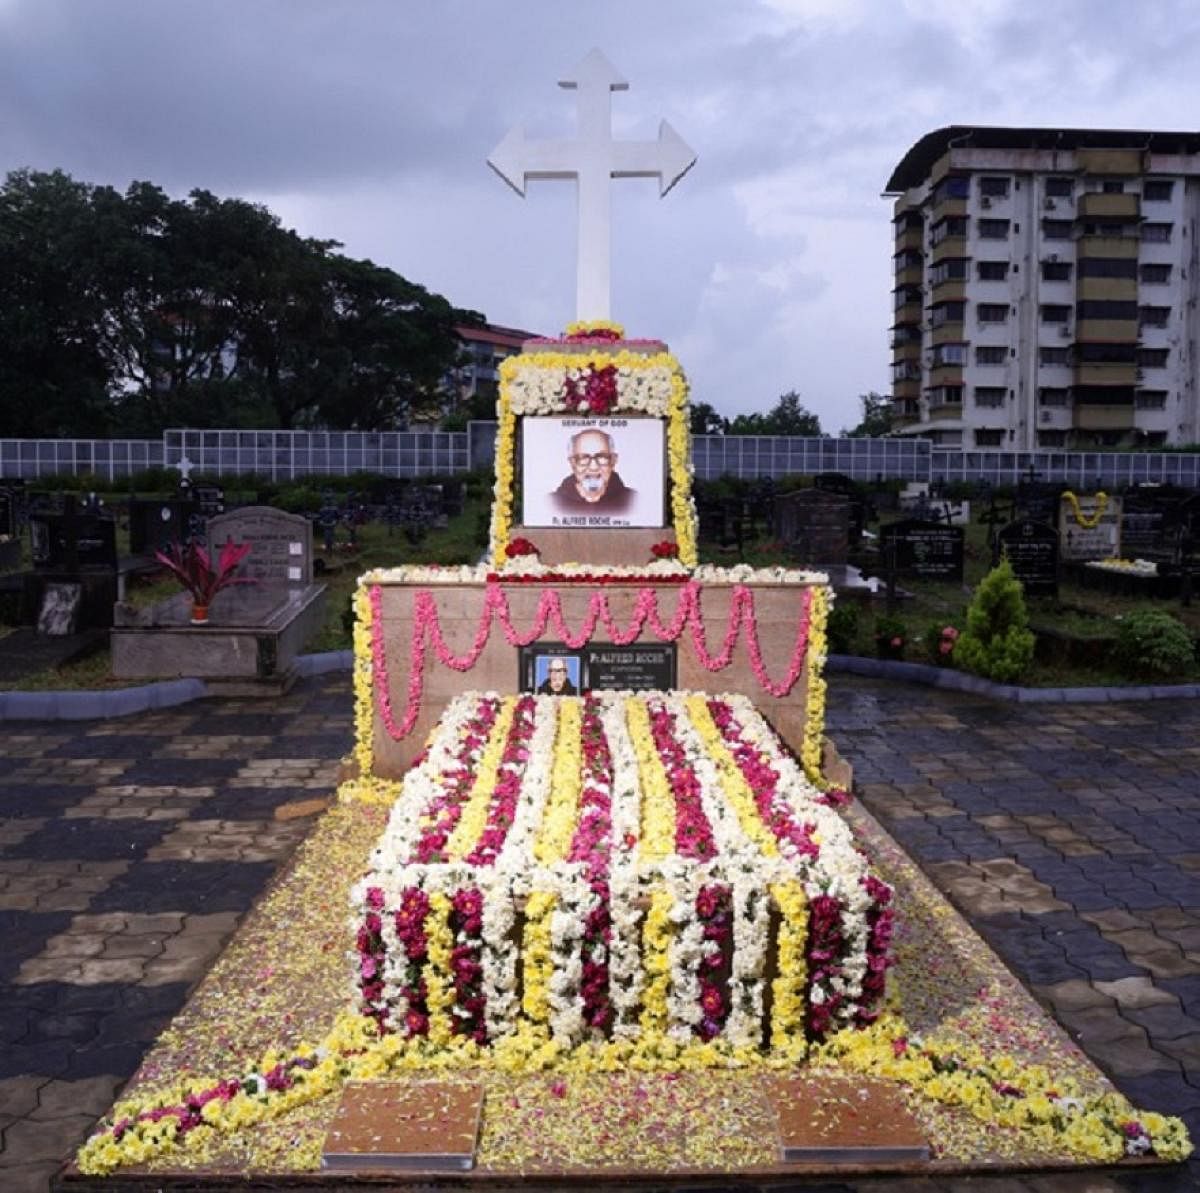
(131, 849)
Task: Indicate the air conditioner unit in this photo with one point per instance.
(1064, 332)
(985, 202)
(1050, 205)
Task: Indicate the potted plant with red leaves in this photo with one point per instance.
(193, 567)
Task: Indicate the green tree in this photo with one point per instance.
(704, 420)
(787, 417)
(876, 418)
(997, 642)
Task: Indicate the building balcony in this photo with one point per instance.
(946, 375)
(945, 410)
(908, 315)
(1107, 331)
(910, 275)
(951, 290)
(1106, 374)
(951, 246)
(906, 391)
(946, 207)
(905, 413)
(1107, 289)
(1093, 204)
(906, 350)
(1107, 246)
(1103, 418)
(948, 333)
(910, 239)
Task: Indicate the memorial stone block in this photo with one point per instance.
(930, 550)
(153, 525)
(815, 526)
(1079, 542)
(282, 544)
(1032, 549)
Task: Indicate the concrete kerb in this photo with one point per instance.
(81, 706)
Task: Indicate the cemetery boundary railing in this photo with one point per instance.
(283, 455)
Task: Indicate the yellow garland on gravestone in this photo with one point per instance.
(1080, 517)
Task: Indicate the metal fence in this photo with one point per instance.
(283, 455)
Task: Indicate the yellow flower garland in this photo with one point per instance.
(562, 807)
(473, 819)
(1088, 523)
(537, 963)
(364, 687)
(658, 805)
(733, 783)
(439, 984)
(589, 327)
(787, 988)
(814, 723)
(679, 462)
(656, 962)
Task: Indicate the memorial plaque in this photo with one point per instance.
(931, 550)
(815, 526)
(1078, 542)
(209, 499)
(1032, 549)
(281, 544)
(554, 669)
(70, 542)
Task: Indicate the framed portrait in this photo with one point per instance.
(552, 673)
(593, 472)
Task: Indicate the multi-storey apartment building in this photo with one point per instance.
(1046, 285)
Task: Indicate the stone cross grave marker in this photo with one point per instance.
(592, 159)
(281, 544)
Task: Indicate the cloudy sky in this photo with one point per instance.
(767, 269)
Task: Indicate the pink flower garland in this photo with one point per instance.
(688, 615)
(503, 806)
(693, 833)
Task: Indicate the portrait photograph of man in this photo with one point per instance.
(557, 675)
(592, 472)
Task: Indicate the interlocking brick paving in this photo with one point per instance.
(1068, 835)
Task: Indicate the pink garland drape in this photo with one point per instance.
(427, 630)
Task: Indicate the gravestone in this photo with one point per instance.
(815, 526)
(1078, 542)
(837, 482)
(930, 550)
(1032, 549)
(255, 631)
(75, 548)
(154, 525)
(1146, 514)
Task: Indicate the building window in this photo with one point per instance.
(1052, 439)
(992, 271)
(1154, 316)
(1055, 314)
(1159, 233)
(1099, 308)
(906, 294)
(947, 312)
(945, 395)
(906, 370)
(1105, 354)
(909, 259)
(1112, 186)
(993, 188)
(954, 187)
(990, 396)
(1054, 356)
(993, 229)
(993, 312)
(952, 225)
(1059, 188)
(1056, 271)
(953, 269)
(1056, 229)
(1152, 358)
(949, 354)
(988, 438)
(1052, 396)
(1155, 274)
(1107, 267)
(1154, 438)
(1150, 399)
(1157, 190)
(991, 354)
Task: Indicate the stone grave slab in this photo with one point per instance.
(1079, 543)
(282, 544)
(1032, 549)
(930, 550)
(815, 526)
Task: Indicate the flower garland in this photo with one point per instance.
(426, 628)
(594, 329)
(787, 998)
(600, 381)
(813, 747)
(1086, 521)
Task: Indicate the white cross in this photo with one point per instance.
(185, 467)
(592, 159)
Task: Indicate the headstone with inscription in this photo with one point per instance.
(154, 525)
(1089, 527)
(1031, 548)
(281, 545)
(815, 526)
(930, 550)
(1146, 516)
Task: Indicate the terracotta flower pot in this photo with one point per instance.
(199, 614)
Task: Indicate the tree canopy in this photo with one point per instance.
(876, 418)
(129, 313)
(787, 417)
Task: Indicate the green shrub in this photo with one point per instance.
(1153, 643)
(842, 628)
(891, 636)
(997, 642)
